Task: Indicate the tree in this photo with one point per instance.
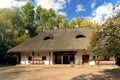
(64, 24)
(106, 42)
(87, 23)
(46, 19)
(59, 19)
(28, 14)
(72, 23)
(51, 19)
(8, 32)
(78, 21)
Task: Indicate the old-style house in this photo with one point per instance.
(60, 46)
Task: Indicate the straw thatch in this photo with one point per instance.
(56, 40)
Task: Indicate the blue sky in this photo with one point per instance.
(95, 10)
(71, 7)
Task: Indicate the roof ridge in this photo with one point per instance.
(63, 29)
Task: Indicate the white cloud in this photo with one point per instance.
(93, 5)
(79, 8)
(102, 13)
(54, 4)
(62, 13)
(5, 4)
(11, 3)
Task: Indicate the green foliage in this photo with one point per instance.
(80, 22)
(72, 23)
(87, 23)
(64, 24)
(60, 18)
(106, 41)
(28, 15)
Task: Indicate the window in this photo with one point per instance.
(48, 37)
(43, 57)
(30, 58)
(80, 36)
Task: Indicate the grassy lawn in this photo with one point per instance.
(59, 73)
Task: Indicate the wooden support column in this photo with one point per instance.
(17, 58)
(49, 58)
(33, 57)
(61, 59)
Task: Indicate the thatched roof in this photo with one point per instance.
(56, 40)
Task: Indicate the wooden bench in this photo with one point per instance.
(111, 62)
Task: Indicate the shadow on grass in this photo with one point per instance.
(108, 74)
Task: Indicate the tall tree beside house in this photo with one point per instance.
(28, 14)
(20, 27)
(59, 19)
(106, 42)
(52, 18)
(46, 19)
(8, 34)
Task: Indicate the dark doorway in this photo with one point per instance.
(63, 57)
(118, 60)
(57, 59)
(85, 59)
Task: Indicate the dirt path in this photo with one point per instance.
(59, 73)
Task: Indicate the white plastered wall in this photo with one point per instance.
(78, 57)
(39, 57)
(24, 58)
(51, 58)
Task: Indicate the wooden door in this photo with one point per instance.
(85, 59)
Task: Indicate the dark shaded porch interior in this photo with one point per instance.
(64, 57)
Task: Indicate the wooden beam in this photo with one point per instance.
(18, 59)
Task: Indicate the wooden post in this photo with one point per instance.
(33, 57)
(17, 58)
(49, 58)
(61, 59)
